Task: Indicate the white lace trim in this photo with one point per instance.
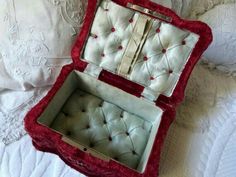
(228, 70)
(193, 9)
(12, 125)
(209, 4)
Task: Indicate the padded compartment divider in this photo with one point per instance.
(59, 100)
(128, 102)
(147, 151)
(154, 56)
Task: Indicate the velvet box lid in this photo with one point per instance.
(109, 111)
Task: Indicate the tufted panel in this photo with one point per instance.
(159, 56)
(103, 127)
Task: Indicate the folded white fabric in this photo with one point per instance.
(195, 8)
(36, 40)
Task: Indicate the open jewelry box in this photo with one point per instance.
(109, 111)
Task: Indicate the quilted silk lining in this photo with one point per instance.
(162, 56)
(93, 121)
(103, 127)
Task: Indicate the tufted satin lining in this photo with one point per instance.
(102, 125)
(154, 59)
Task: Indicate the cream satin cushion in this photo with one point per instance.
(162, 58)
(104, 127)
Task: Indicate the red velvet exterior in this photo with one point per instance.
(47, 140)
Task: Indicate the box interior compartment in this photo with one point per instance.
(103, 120)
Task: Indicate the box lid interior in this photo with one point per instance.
(130, 43)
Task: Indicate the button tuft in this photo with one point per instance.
(163, 51)
(151, 78)
(145, 58)
(110, 138)
(120, 47)
(101, 104)
(91, 145)
(113, 29)
(158, 30)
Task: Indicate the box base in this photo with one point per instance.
(100, 126)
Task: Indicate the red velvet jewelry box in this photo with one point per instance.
(109, 111)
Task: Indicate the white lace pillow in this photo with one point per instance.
(222, 53)
(36, 40)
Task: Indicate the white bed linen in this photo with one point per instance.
(201, 142)
(20, 159)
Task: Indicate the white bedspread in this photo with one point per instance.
(20, 159)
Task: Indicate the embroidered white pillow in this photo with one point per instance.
(36, 40)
